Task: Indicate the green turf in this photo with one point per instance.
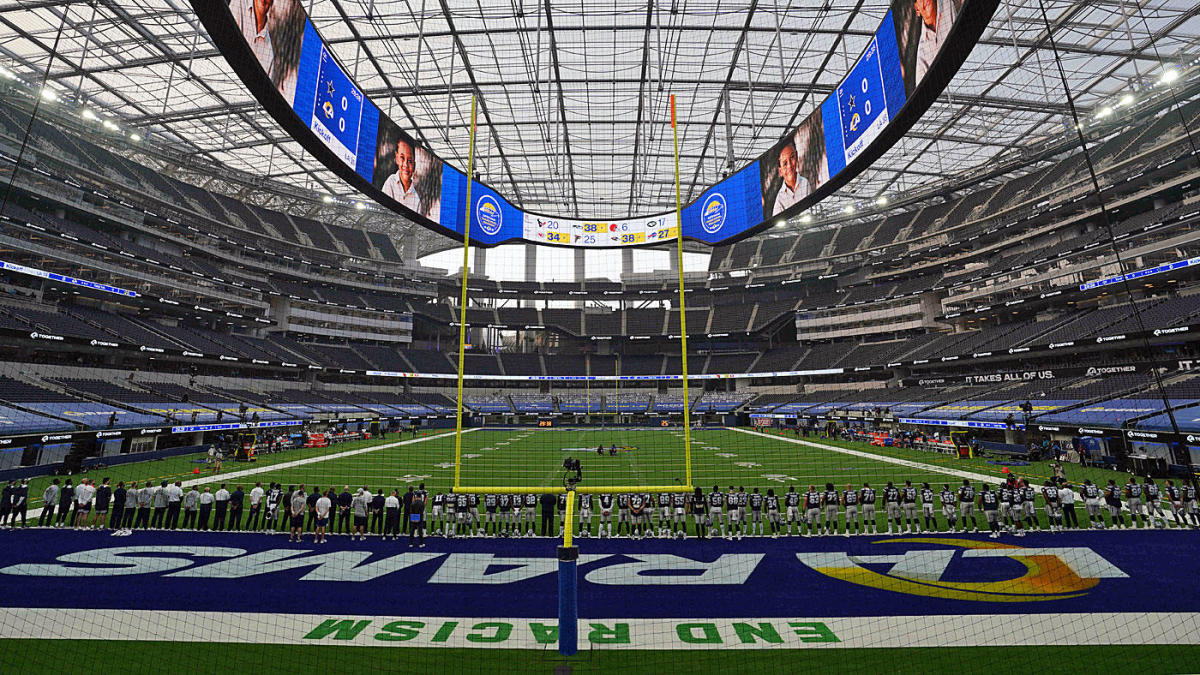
(533, 457)
(22, 656)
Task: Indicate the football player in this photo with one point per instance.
(1153, 498)
(1175, 503)
(867, 498)
(950, 508)
(623, 522)
(491, 526)
(1137, 514)
(927, 504)
(664, 514)
(989, 503)
(1028, 510)
(908, 496)
(792, 502)
(966, 505)
(850, 502)
(716, 507)
(1091, 502)
(679, 502)
(606, 507)
(773, 512)
(1053, 507)
(812, 511)
(831, 499)
(585, 514)
(1112, 498)
(756, 513)
(891, 500)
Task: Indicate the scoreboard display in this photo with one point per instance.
(599, 233)
(854, 122)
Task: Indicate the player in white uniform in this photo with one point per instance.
(812, 511)
(1091, 502)
(679, 502)
(732, 514)
(773, 512)
(927, 505)
(664, 513)
(529, 516)
(966, 505)
(850, 502)
(756, 513)
(792, 503)
(866, 496)
(831, 500)
(1153, 502)
(716, 502)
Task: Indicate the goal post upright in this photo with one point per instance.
(687, 401)
(462, 305)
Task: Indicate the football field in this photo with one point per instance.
(532, 457)
(940, 603)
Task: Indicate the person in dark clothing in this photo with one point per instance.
(103, 501)
(344, 501)
(220, 507)
(391, 515)
(548, 502)
(20, 502)
(406, 501)
(416, 517)
(6, 496)
(50, 501)
(377, 501)
(118, 509)
(312, 508)
(237, 502)
(65, 499)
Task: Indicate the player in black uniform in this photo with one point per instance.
(562, 514)
(1091, 502)
(698, 514)
(756, 515)
(1112, 497)
(989, 503)
(473, 514)
(1028, 505)
(927, 499)
(1017, 507)
(949, 507)
(491, 526)
(529, 515)
(831, 500)
(679, 504)
(891, 500)
(908, 496)
(1175, 503)
(792, 502)
(812, 511)
(1053, 507)
(850, 503)
(664, 514)
(623, 514)
(637, 509)
(867, 497)
(716, 502)
(773, 511)
(966, 505)
(1190, 503)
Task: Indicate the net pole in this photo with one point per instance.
(687, 416)
(568, 585)
(462, 305)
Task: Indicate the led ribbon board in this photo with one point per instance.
(292, 72)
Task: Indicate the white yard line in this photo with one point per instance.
(225, 477)
(969, 475)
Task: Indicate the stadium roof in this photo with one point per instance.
(574, 116)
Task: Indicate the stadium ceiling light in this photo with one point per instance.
(849, 208)
(1104, 112)
(1126, 100)
(327, 199)
(7, 74)
(881, 200)
(108, 124)
(806, 219)
(48, 94)
(135, 137)
(88, 114)
(1169, 76)
(360, 206)
(780, 223)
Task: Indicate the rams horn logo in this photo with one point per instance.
(1049, 573)
(328, 109)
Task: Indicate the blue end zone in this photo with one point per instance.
(879, 576)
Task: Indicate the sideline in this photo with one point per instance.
(969, 475)
(224, 477)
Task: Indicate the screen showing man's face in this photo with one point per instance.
(787, 166)
(404, 163)
(928, 11)
(262, 8)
